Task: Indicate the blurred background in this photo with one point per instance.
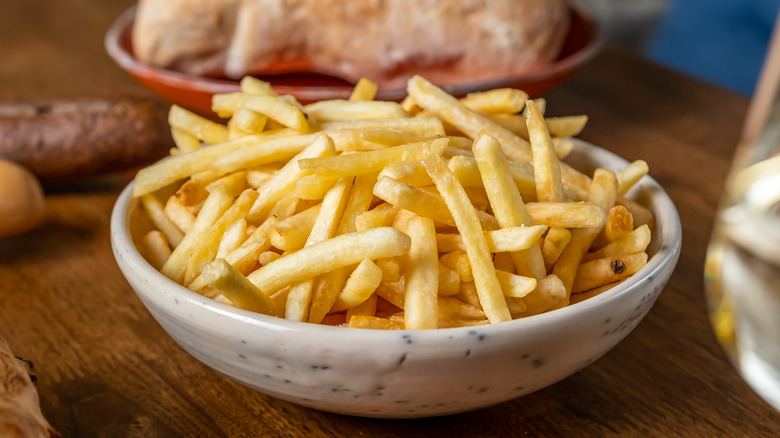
(720, 41)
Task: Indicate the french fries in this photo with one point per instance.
(437, 212)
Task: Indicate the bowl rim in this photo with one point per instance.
(596, 39)
(669, 247)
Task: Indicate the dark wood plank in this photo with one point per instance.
(106, 368)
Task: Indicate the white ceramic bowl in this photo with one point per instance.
(404, 374)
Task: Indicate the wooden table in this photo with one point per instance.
(106, 368)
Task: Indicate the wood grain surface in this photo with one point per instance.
(106, 369)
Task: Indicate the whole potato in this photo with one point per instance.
(21, 199)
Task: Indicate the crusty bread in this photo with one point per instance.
(383, 40)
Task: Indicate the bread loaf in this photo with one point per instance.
(383, 40)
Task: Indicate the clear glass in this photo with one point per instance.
(742, 272)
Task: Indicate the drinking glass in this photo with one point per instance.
(742, 272)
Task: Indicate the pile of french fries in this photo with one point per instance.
(429, 213)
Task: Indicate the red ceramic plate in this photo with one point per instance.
(583, 42)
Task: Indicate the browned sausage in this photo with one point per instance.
(85, 137)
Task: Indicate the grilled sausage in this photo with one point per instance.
(85, 137)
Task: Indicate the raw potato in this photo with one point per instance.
(20, 414)
(21, 199)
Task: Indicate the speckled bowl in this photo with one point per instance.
(403, 374)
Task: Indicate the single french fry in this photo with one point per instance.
(371, 161)
(156, 212)
(409, 172)
(258, 175)
(364, 90)
(416, 200)
(374, 322)
(379, 216)
(452, 308)
(272, 107)
(184, 140)
(449, 281)
(569, 126)
(313, 187)
(390, 137)
(201, 127)
(366, 308)
(391, 293)
(550, 292)
(191, 193)
(563, 147)
(234, 236)
(283, 182)
(165, 172)
(582, 296)
(418, 126)
(607, 270)
(410, 106)
(421, 264)
(567, 214)
(467, 172)
(468, 294)
(488, 288)
(235, 286)
(353, 140)
(328, 255)
(630, 175)
(547, 172)
(470, 122)
(291, 233)
(619, 223)
(391, 269)
(502, 240)
(155, 249)
(634, 242)
(515, 239)
(556, 239)
(179, 214)
(359, 286)
(541, 104)
(458, 261)
(249, 121)
(516, 286)
(234, 183)
(337, 109)
(641, 214)
(498, 100)
(253, 85)
(271, 151)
